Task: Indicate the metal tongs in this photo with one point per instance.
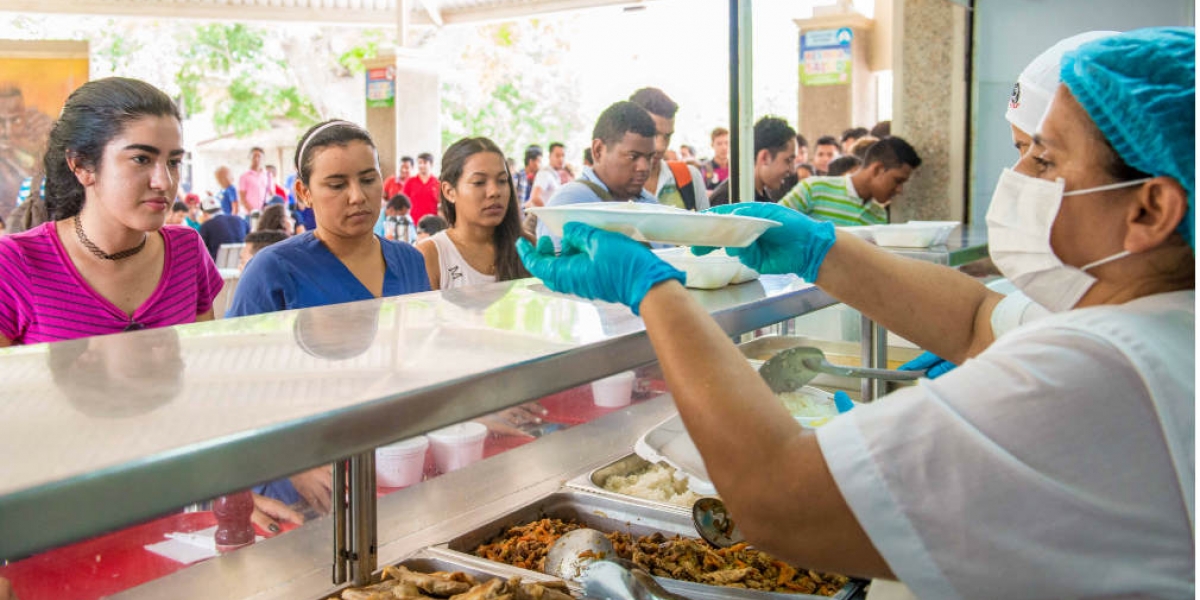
(791, 369)
(587, 557)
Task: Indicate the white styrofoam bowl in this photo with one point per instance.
(907, 235)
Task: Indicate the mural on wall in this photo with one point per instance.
(35, 79)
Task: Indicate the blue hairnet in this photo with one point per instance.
(1139, 88)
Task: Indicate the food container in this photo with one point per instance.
(744, 273)
(401, 464)
(594, 482)
(608, 514)
(708, 272)
(429, 561)
(614, 391)
(912, 235)
(457, 446)
(944, 231)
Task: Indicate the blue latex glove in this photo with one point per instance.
(842, 401)
(798, 245)
(598, 265)
(933, 365)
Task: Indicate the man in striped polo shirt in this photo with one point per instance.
(861, 198)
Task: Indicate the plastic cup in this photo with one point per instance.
(615, 391)
(457, 446)
(401, 464)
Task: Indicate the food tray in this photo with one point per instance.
(593, 482)
(608, 514)
(429, 561)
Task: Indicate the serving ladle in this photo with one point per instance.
(713, 523)
(587, 557)
(791, 369)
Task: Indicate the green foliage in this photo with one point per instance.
(352, 59)
(229, 67)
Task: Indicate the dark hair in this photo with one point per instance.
(655, 101)
(807, 167)
(854, 132)
(621, 118)
(179, 207)
(257, 240)
(257, 149)
(772, 134)
(431, 224)
(272, 218)
(882, 129)
(718, 132)
(801, 141)
(829, 140)
(335, 132)
(399, 202)
(506, 234)
(408, 159)
(93, 115)
(587, 157)
(892, 152)
(425, 156)
(554, 145)
(843, 164)
(532, 152)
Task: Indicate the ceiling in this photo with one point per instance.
(372, 13)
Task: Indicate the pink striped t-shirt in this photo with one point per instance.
(43, 298)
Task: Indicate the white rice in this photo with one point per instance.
(656, 482)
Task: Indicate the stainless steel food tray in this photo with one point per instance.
(593, 482)
(608, 514)
(427, 561)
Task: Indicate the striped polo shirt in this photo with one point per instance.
(43, 297)
(834, 199)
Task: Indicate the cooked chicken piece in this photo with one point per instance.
(382, 589)
(430, 584)
(540, 591)
(726, 577)
(496, 589)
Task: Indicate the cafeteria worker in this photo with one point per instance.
(1058, 462)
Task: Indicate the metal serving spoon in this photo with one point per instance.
(791, 369)
(600, 572)
(714, 524)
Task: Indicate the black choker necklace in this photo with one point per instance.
(94, 249)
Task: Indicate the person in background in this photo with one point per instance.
(219, 228)
(400, 226)
(528, 174)
(341, 261)
(882, 129)
(485, 222)
(716, 169)
(547, 181)
(429, 225)
(257, 240)
(3, 227)
(422, 189)
(844, 165)
(587, 157)
(623, 148)
(275, 217)
(860, 146)
(671, 155)
(673, 182)
(276, 189)
(793, 177)
(861, 198)
(804, 171)
(774, 159)
(801, 149)
(852, 135)
(827, 149)
(255, 186)
(228, 196)
(688, 155)
(395, 183)
(178, 214)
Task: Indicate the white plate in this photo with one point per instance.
(708, 272)
(911, 235)
(657, 223)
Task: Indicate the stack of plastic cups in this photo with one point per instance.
(457, 446)
(615, 391)
(401, 464)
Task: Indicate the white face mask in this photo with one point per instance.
(1019, 221)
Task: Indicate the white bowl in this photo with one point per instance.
(457, 446)
(401, 464)
(944, 231)
(614, 391)
(708, 272)
(906, 235)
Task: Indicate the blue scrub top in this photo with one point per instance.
(301, 272)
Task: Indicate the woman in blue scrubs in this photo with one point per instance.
(341, 261)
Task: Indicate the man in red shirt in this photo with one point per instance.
(395, 184)
(422, 190)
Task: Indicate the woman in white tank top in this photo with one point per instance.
(476, 196)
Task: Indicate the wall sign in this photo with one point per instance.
(381, 87)
(825, 57)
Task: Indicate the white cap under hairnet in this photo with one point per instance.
(1035, 86)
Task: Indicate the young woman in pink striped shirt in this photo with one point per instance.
(105, 263)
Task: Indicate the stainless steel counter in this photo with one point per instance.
(104, 432)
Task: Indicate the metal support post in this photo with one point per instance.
(363, 517)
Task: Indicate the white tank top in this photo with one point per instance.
(454, 270)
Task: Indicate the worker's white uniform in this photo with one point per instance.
(1059, 463)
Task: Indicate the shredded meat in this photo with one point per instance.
(400, 583)
(685, 559)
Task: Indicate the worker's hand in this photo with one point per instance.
(269, 511)
(933, 365)
(316, 487)
(797, 246)
(598, 265)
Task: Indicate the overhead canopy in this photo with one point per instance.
(374, 13)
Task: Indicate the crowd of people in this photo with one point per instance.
(123, 251)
